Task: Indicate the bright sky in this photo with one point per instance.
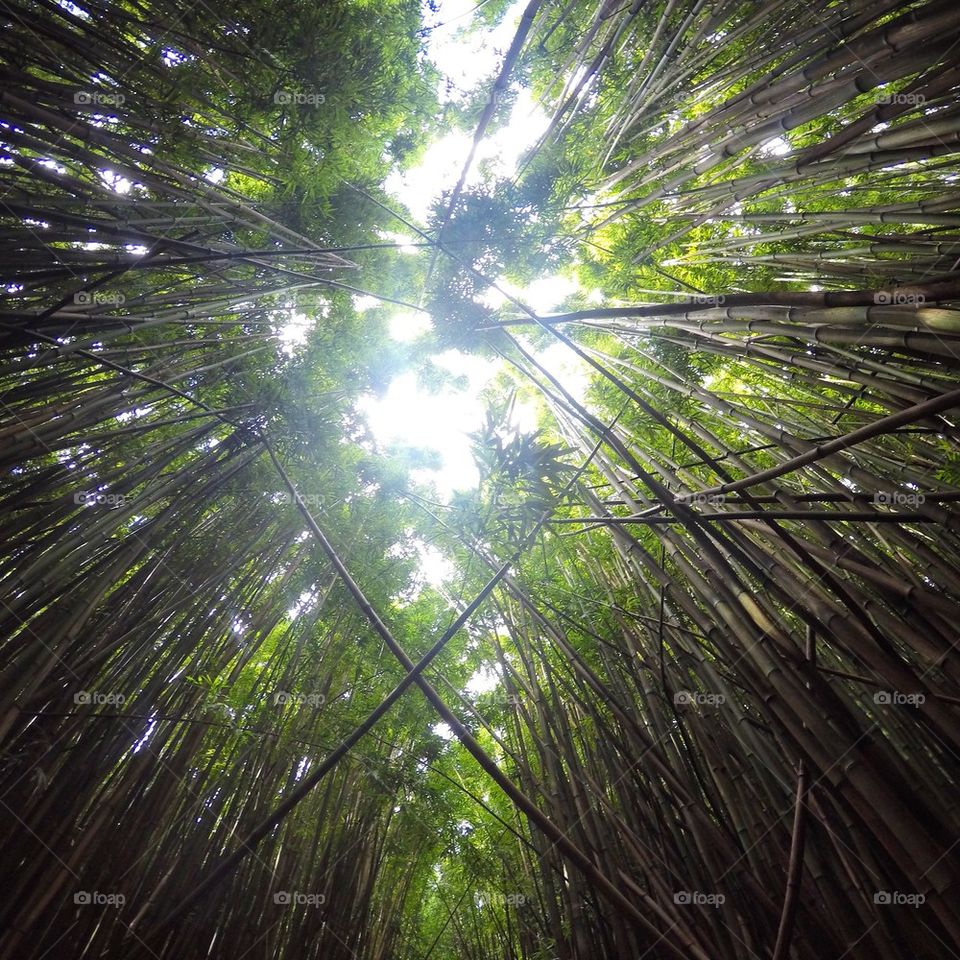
(443, 161)
(406, 414)
(441, 422)
(465, 63)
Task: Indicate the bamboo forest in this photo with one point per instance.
(481, 479)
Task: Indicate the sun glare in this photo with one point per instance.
(407, 414)
(409, 326)
(411, 416)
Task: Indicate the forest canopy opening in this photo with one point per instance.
(480, 479)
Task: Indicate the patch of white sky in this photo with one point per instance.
(406, 413)
(465, 61)
(442, 163)
(486, 678)
(294, 331)
(776, 147)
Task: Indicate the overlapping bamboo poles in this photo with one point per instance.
(819, 97)
(156, 689)
(173, 598)
(755, 582)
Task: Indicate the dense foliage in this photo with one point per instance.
(691, 687)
